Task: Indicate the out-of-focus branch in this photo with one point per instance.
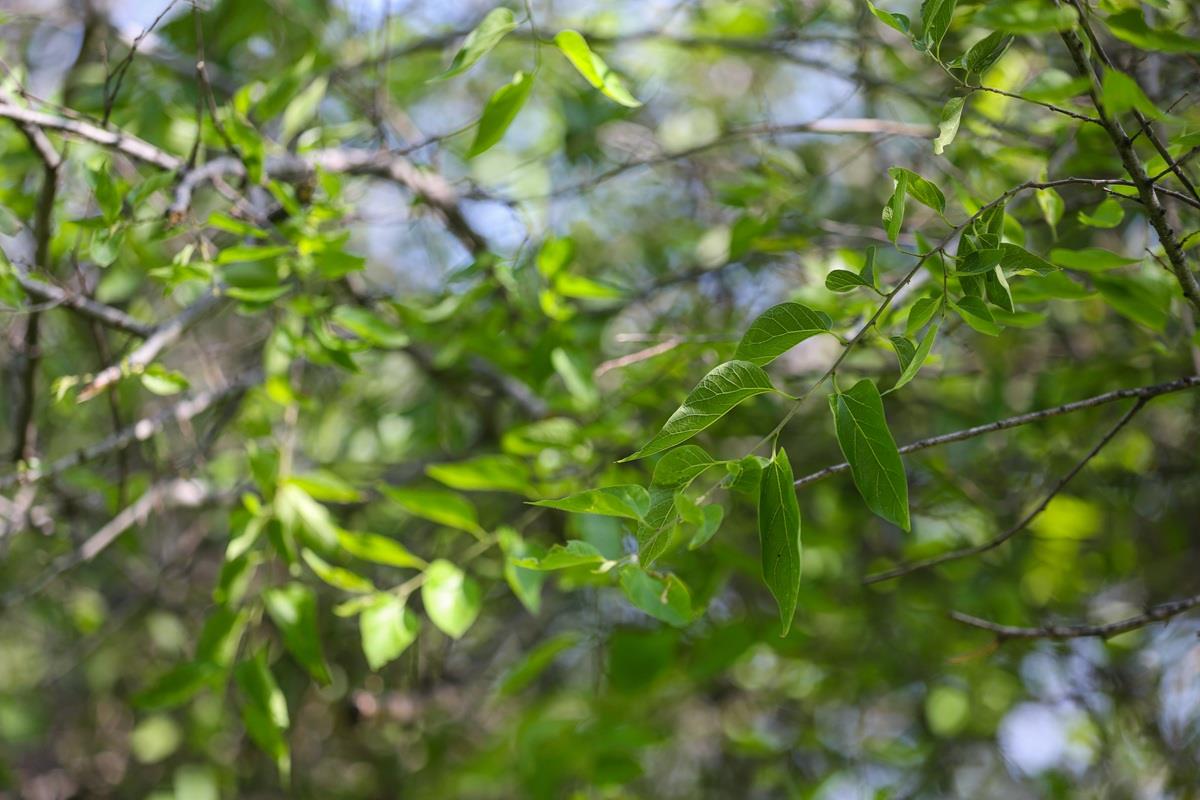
(1159, 613)
(83, 305)
(1142, 392)
(139, 431)
(1020, 525)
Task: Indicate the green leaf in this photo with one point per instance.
(378, 549)
(387, 628)
(1130, 26)
(1107, 215)
(196, 782)
(898, 22)
(1089, 259)
(575, 553)
(935, 21)
(335, 576)
(893, 212)
(717, 393)
(264, 709)
(535, 662)
(501, 109)
(779, 329)
(162, 381)
(920, 189)
(178, 685)
(975, 313)
(905, 350)
(948, 125)
(986, 52)
(997, 290)
(681, 466)
(525, 583)
(452, 599)
(305, 518)
(1017, 259)
(220, 636)
(910, 370)
(325, 486)
(843, 280)
(498, 23)
(302, 109)
(1121, 95)
(370, 327)
(628, 501)
(921, 312)
(710, 521)
(436, 505)
(593, 69)
(1140, 300)
(1026, 16)
(862, 433)
(1051, 203)
(293, 609)
(664, 598)
(978, 262)
(779, 534)
(490, 473)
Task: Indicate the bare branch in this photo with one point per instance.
(1020, 525)
(1159, 613)
(1142, 392)
(83, 305)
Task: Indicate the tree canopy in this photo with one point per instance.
(773, 398)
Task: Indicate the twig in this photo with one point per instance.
(82, 304)
(1159, 613)
(996, 541)
(1142, 392)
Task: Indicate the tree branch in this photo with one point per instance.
(1159, 613)
(1142, 392)
(1020, 525)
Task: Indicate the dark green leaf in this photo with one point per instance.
(779, 535)
(293, 609)
(501, 109)
(778, 329)
(867, 443)
(498, 23)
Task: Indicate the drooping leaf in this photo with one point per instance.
(629, 501)
(293, 609)
(499, 112)
(711, 517)
(867, 443)
(177, 685)
(779, 329)
(1130, 26)
(497, 24)
(974, 312)
(525, 583)
(717, 393)
(923, 191)
(452, 598)
(935, 22)
(264, 709)
(303, 108)
(779, 536)
(387, 628)
(592, 67)
(1140, 300)
(664, 598)
(948, 125)
(910, 370)
(893, 212)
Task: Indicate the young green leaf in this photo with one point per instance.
(378, 549)
(905, 350)
(302, 109)
(681, 466)
(575, 553)
(867, 443)
(293, 609)
(910, 369)
(935, 22)
(779, 329)
(843, 280)
(387, 628)
(490, 473)
(592, 67)
(1026, 16)
(923, 191)
(710, 521)
(264, 709)
(1106, 215)
(1122, 94)
(629, 501)
(718, 392)
(898, 22)
(921, 312)
(335, 576)
(986, 52)
(1051, 203)
(1130, 26)
(666, 598)
(779, 536)
(498, 23)
(501, 109)
(893, 212)
(948, 126)
(452, 599)
(1089, 259)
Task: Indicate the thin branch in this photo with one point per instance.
(139, 431)
(996, 541)
(163, 337)
(82, 304)
(1159, 613)
(117, 140)
(1141, 392)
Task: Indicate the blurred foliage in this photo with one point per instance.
(420, 277)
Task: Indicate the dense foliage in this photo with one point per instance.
(781, 398)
